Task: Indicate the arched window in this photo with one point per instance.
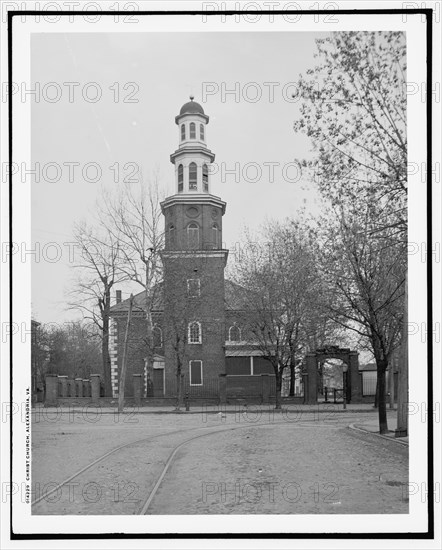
(194, 333)
(215, 235)
(205, 178)
(172, 236)
(192, 130)
(193, 174)
(157, 337)
(193, 236)
(180, 178)
(234, 333)
(183, 132)
(202, 132)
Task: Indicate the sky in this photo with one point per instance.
(141, 80)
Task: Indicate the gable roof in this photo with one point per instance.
(139, 303)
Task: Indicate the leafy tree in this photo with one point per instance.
(133, 218)
(354, 111)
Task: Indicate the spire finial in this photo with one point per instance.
(192, 97)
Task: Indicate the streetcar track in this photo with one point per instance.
(99, 459)
(172, 455)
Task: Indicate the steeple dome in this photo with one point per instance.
(191, 107)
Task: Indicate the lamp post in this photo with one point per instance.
(344, 382)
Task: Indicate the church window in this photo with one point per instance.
(194, 336)
(183, 132)
(193, 236)
(215, 235)
(202, 132)
(180, 178)
(196, 373)
(157, 336)
(192, 130)
(193, 185)
(193, 288)
(234, 333)
(205, 178)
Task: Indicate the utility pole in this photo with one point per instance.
(402, 393)
(391, 380)
(124, 361)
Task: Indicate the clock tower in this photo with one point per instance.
(194, 262)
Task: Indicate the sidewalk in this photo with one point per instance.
(372, 426)
(320, 408)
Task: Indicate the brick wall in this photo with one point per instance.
(180, 310)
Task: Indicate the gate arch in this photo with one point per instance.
(350, 357)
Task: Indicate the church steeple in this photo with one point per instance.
(193, 215)
(194, 260)
(192, 158)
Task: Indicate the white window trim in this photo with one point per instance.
(158, 328)
(200, 332)
(240, 333)
(190, 371)
(188, 288)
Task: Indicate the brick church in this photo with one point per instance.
(197, 316)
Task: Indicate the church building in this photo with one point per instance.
(198, 317)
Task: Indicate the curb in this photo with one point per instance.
(196, 411)
(396, 440)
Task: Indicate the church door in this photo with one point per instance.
(158, 382)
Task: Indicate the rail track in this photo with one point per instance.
(206, 431)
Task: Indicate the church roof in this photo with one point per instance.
(139, 303)
(235, 300)
(191, 107)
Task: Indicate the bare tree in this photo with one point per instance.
(133, 218)
(365, 274)
(98, 265)
(282, 287)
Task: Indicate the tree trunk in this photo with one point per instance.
(179, 387)
(402, 397)
(278, 383)
(292, 380)
(382, 405)
(105, 346)
(376, 394)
